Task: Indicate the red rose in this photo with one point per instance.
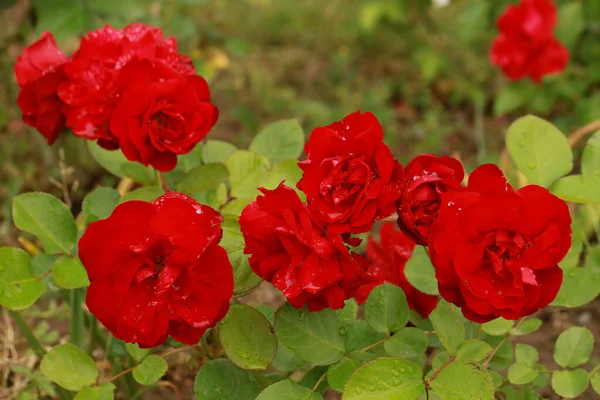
(156, 269)
(426, 178)
(90, 93)
(161, 114)
(387, 262)
(526, 45)
(350, 177)
(297, 254)
(39, 70)
(496, 250)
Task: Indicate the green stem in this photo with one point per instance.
(28, 333)
(142, 392)
(92, 333)
(76, 326)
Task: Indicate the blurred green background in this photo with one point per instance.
(421, 66)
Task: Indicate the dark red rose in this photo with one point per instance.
(91, 94)
(39, 70)
(387, 262)
(161, 114)
(526, 45)
(297, 254)
(426, 178)
(496, 250)
(156, 269)
(350, 177)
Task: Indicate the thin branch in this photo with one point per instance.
(442, 367)
(487, 362)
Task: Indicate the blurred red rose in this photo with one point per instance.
(526, 45)
(426, 178)
(496, 250)
(156, 269)
(90, 93)
(387, 261)
(350, 177)
(39, 70)
(161, 113)
(297, 254)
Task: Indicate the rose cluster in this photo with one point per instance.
(526, 45)
(126, 88)
(495, 250)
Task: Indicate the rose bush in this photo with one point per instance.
(405, 283)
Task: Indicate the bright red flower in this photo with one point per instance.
(156, 269)
(39, 70)
(90, 92)
(526, 45)
(426, 178)
(387, 262)
(161, 114)
(496, 250)
(297, 254)
(350, 177)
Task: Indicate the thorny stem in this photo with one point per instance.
(442, 367)
(487, 362)
(314, 389)
(375, 344)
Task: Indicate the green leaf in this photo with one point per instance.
(540, 151)
(504, 356)
(217, 151)
(509, 98)
(246, 170)
(521, 373)
(19, 286)
(386, 379)
(236, 206)
(315, 336)
(408, 343)
(279, 141)
(473, 350)
(100, 203)
(571, 383)
(134, 351)
(214, 198)
(573, 347)
(448, 324)
(360, 334)
(146, 193)
(570, 23)
(117, 164)
(386, 309)
(219, 379)
(287, 171)
(526, 327)
(339, 373)
(203, 177)
(543, 378)
(526, 354)
(578, 188)
(496, 379)
(595, 381)
(473, 22)
(461, 381)
(420, 272)
(47, 218)
(247, 338)
(64, 19)
(349, 312)
(245, 280)
(151, 369)
(288, 390)
(590, 159)
(497, 327)
(70, 273)
(106, 391)
(68, 366)
(580, 286)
